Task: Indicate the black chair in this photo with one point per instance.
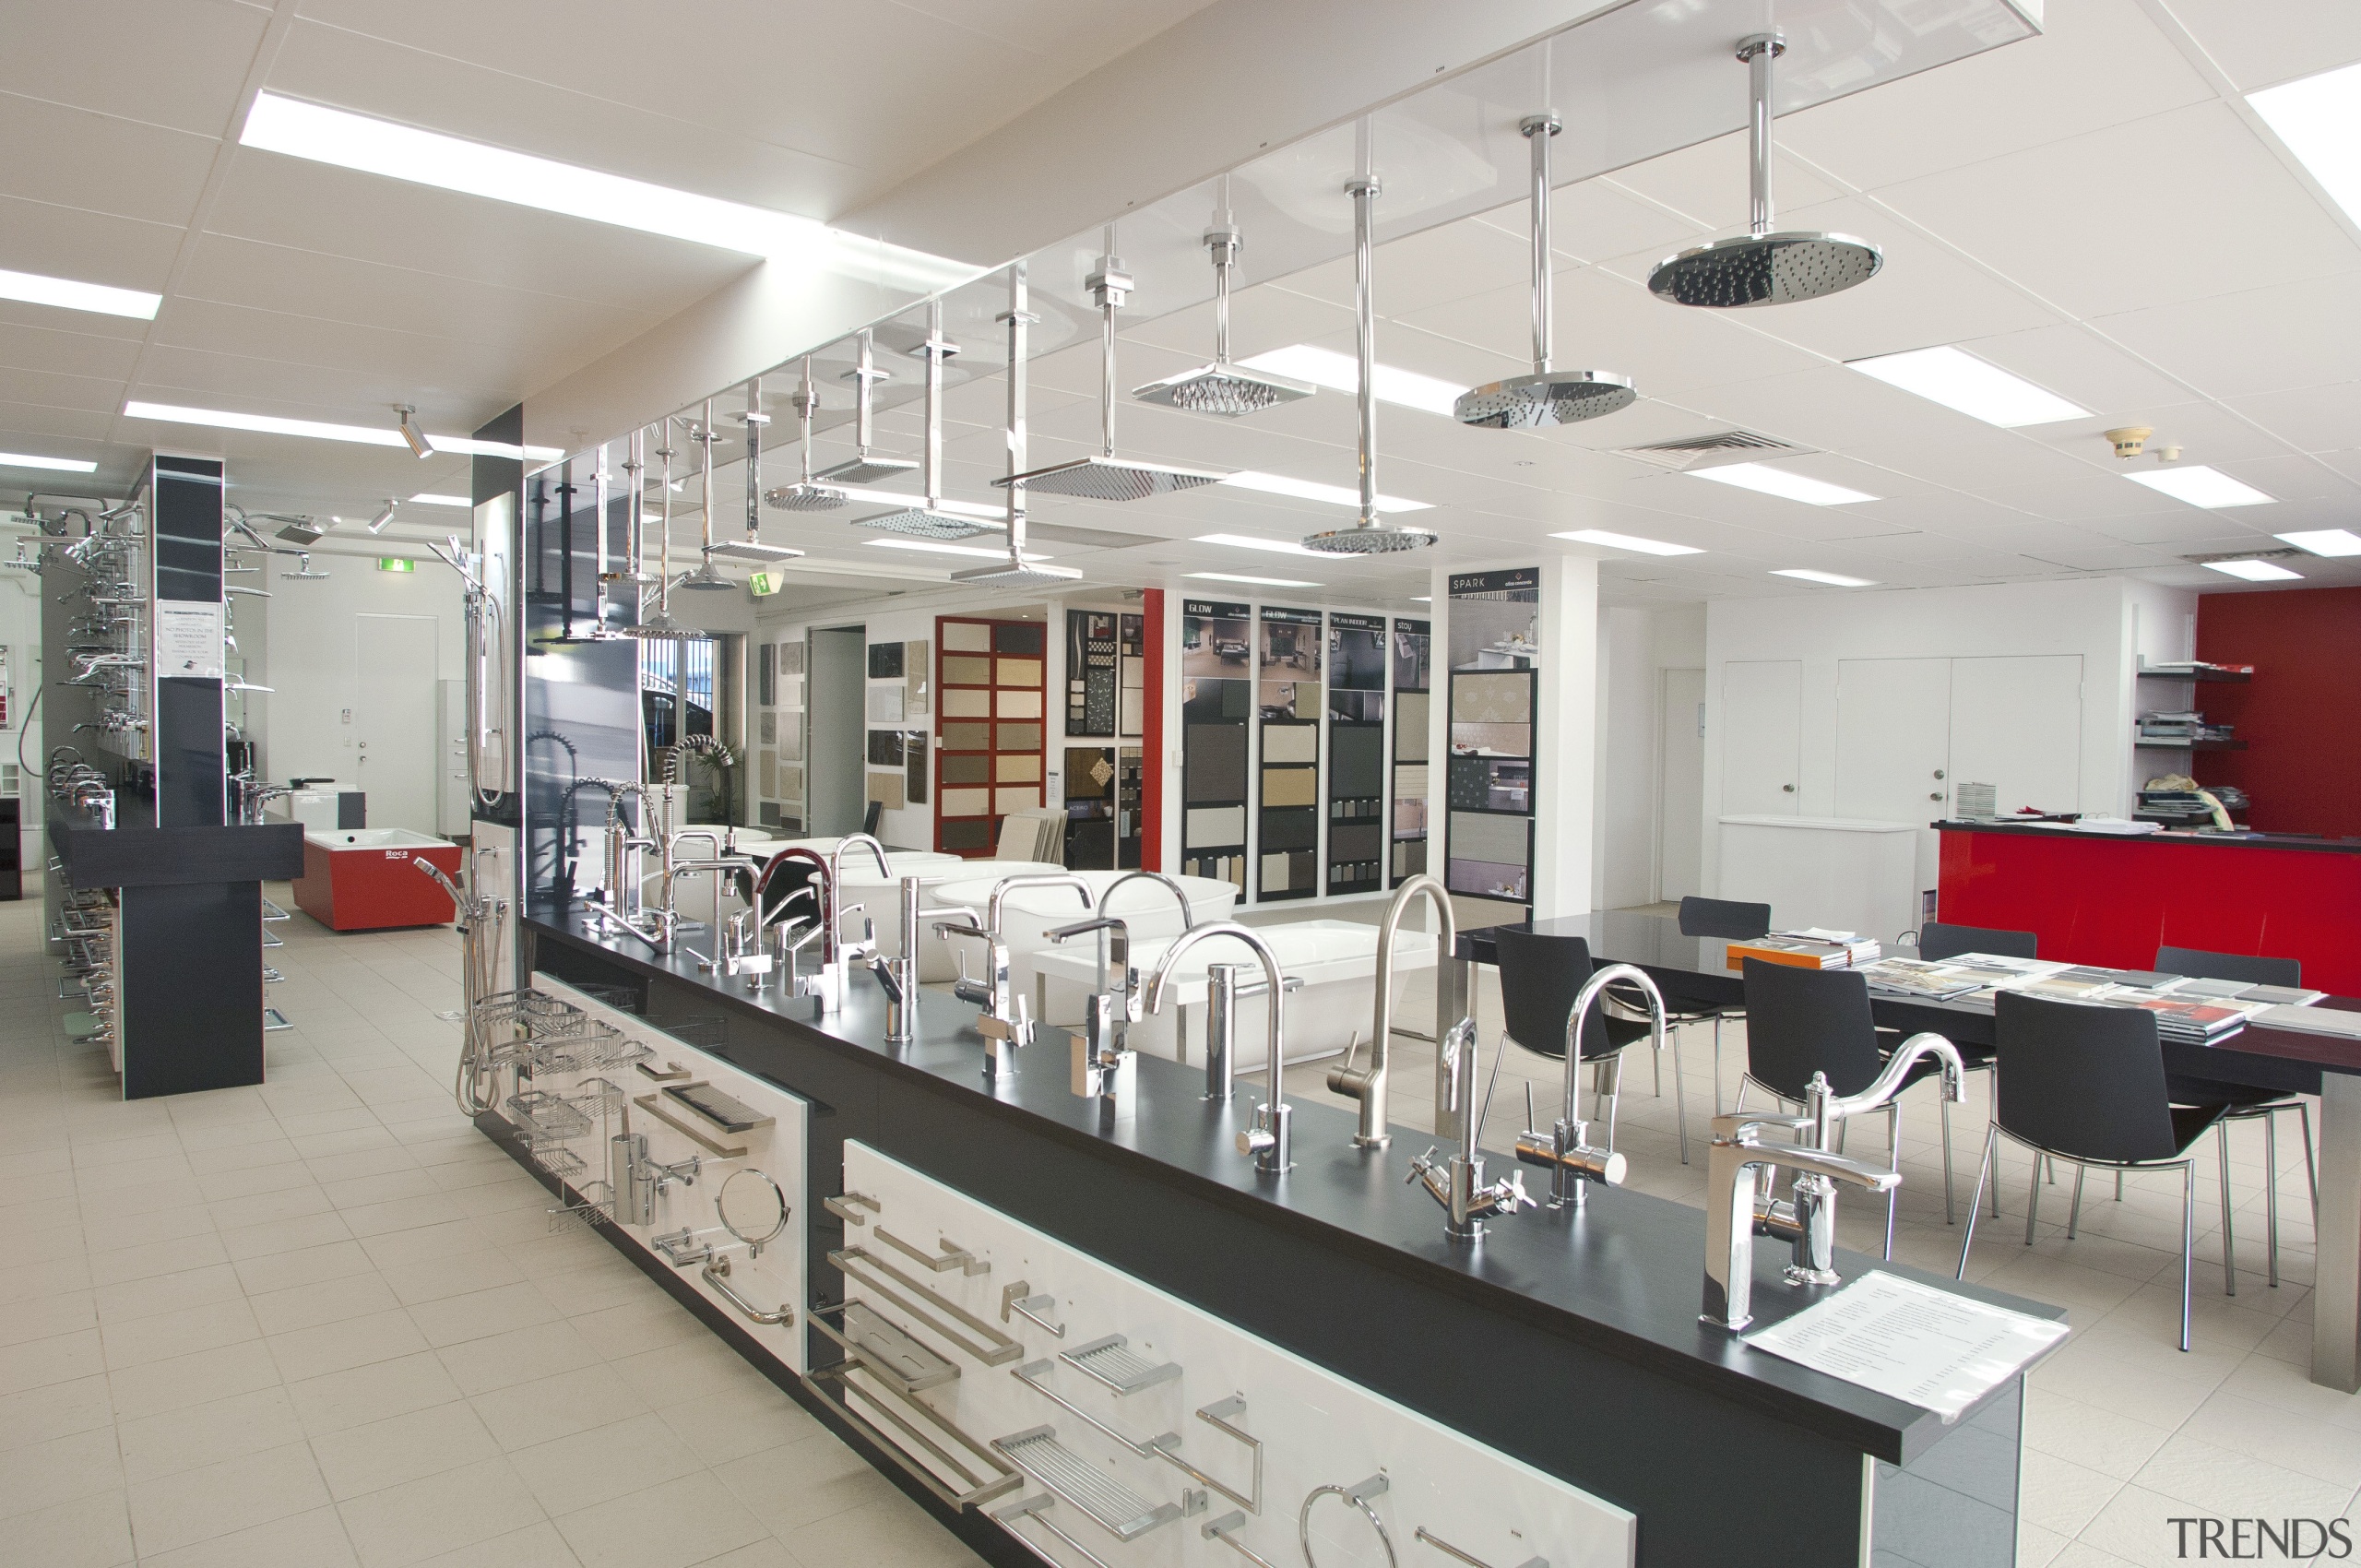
(2245, 1103)
(1730, 921)
(1541, 977)
(1938, 940)
(2087, 1084)
(875, 815)
(1800, 1022)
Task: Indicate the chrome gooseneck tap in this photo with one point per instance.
(1007, 1026)
(1107, 900)
(1458, 1183)
(622, 910)
(1270, 1140)
(899, 976)
(1738, 1209)
(1566, 1149)
(1105, 1066)
(836, 971)
(1368, 1084)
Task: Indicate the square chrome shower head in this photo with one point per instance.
(1227, 390)
(1017, 574)
(917, 522)
(864, 470)
(753, 549)
(1110, 479)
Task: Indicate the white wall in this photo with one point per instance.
(1636, 646)
(308, 655)
(2091, 617)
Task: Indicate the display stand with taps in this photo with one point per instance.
(1007, 1025)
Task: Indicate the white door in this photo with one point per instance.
(395, 749)
(1894, 736)
(1761, 737)
(2017, 724)
(1681, 809)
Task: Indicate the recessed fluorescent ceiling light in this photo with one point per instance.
(2254, 571)
(2319, 119)
(1248, 541)
(1422, 599)
(1258, 582)
(931, 548)
(439, 500)
(2326, 541)
(365, 434)
(1779, 482)
(427, 157)
(1342, 373)
(1628, 541)
(2201, 486)
(35, 289)
(1978, 389)
(1804, 574)
(61, 465)
(1306, 489)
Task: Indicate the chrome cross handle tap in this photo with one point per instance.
(1566, 1149)
(1458, 1183)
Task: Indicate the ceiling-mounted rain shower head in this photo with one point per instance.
(751, 547)
(1222, 388)
(1373, 539)
(1546, 396)
(925, 518)
(705, 577)
(298, 531)
(1107, 477)
(1017, 574)
(806, 495)
(918, 522)
(1761, 268)
(662, 628)
(861, 468)
(303, 572)
(1368, 536)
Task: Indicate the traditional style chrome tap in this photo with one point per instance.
(1458, 1184)
(1007, 1026)
(1738, 1209)
(622, 909)
(1566, 1149)
(1368, 1084)
(1271, 1139)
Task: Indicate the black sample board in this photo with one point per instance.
(1288, 697)
(886, 748)
(1356, 667)
(1412, 658)
(884, 662)
(1094, 672)
(1495, 658)
(1216, 700)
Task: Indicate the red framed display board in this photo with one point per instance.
(991, 690)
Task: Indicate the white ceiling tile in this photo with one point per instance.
(2285, 334)
(178, 63)
(2311, 419)
(89, 247)
(101, 164)
(1707, 183)
(89, 393)
(2078, 364)
(2294, 38)
(2179, 206)
(73, 353)
(46, 420)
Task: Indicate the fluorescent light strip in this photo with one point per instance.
(322, 134)
(1975, 387)
(1422, 599)
(1628, 541)
(1248, 541)
(1258, 582)
(2201, 486)
(2325, 541)
(930, 547)
(363, 435)
(439, 500)
(57, 465)
(1342, 373)
(1308, 490)
(67, 294)
(1804, 574)
(2254, 571)
(1780, 482)
(2319, 119)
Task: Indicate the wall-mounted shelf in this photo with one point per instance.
(2205, 677)
(2149, 743)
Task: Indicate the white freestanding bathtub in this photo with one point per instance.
(1148, 911)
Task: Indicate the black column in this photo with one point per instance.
(191, 773)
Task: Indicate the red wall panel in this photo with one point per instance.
(2301, 716)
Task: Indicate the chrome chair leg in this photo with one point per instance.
(1950, 1215)
(1717, 1070)
(2229, 1242)
(2032, 1200)
(1680, 1095)
(2311, 1166)
(1975, 1200)
(2271, 1191)
(1893, 1161)
(2074, 1210)
(2188, 1242)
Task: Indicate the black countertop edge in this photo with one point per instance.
(97, 856)
(1522, 1270)
(2302, 841)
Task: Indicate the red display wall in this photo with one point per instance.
(2301, 716)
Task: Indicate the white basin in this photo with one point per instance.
(1337, 960)
(1147, 910)
(374, 838)
(938, 960)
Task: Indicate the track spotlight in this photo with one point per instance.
(385, 515)
(418, 445)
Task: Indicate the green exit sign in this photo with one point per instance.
(761, 584)
(396, 564)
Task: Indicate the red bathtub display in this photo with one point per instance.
(362, 879)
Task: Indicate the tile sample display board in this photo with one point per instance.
(1216, 698)
(990, 688)
(1495, 655)
(1105, 685)
(1357, 762)
(779, 729)
(1412, 650)
(1287, 698)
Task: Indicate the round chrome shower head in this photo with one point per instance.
(1544, 397)
(1375, 538)
(707, 578)
(1765, 270)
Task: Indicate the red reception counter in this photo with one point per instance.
(2114, 899)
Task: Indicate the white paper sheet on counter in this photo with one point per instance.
(1935, 1349)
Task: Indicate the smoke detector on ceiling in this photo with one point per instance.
(2169, 453)
(2130, 440)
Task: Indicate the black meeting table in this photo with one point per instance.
(1694, 971)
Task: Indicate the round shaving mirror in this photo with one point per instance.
(751, 1209)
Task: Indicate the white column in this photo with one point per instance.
(1566, 740)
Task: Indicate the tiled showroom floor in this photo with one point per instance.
(323, 1322)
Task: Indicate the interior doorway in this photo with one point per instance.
(1680, 784)
(392, 719)
(837, 738)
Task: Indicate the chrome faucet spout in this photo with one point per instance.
(1737, 1210)
(1270, 1140)
(1107, 900)
(1369, 1085)
(1458, 1184)
(1008, 885)
(1889, 1082)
